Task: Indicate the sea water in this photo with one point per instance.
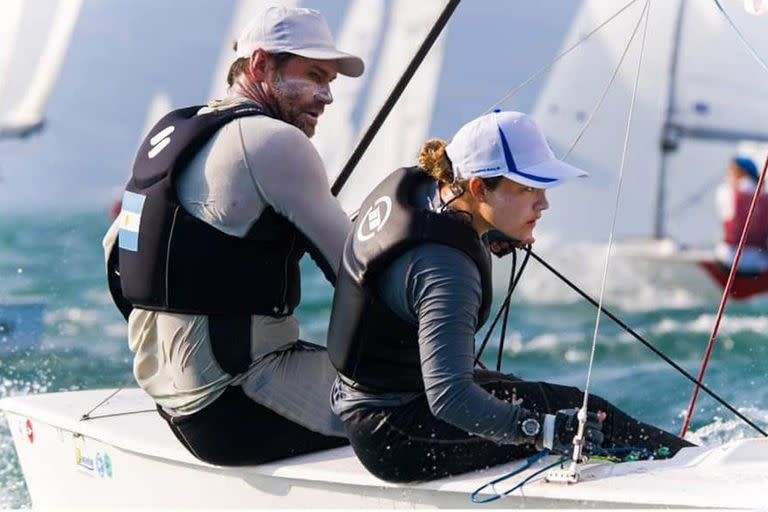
(58, 259)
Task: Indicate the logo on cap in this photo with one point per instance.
(374, 219)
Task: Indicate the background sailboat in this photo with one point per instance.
(25, 91)
(700, 95)
(33, 43)
(408, 124)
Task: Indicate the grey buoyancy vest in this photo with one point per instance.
(367, 342)
(168, 260)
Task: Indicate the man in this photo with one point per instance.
(734, 197)
(223, 202)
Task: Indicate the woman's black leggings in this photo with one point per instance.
(408, 443)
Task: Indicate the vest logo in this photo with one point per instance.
(374, 219)
(130, 221)
(160, 141)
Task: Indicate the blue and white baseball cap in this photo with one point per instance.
(508, 144)
(296, 30)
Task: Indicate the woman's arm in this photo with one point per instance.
(440, 287)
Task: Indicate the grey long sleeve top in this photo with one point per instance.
(440, 288)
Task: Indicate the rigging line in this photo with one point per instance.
(600, 101)
(397, 91)
(648, 344)
(750, 49)
(87, 415)
(646, 13)
(724, 299)
(503, 333)
(503, 305)
(512, 286)
(562, 54)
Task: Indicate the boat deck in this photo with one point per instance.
(129, 428)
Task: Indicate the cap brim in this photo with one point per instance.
(347, 64)
(546, 174)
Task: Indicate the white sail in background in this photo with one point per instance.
(243, 12)
(159, 106)
(407, 126)
(336, 133)
(27, 114)
(10, 19)
(720, 92)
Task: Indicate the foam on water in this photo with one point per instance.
(722, 430)
(633, 284)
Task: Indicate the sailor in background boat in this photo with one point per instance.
(413, 289)
(733, 198)
(223, 202)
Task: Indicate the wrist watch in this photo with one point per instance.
(530, 427)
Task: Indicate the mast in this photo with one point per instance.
(671, 133)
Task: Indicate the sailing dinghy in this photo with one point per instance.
(111, 448)
(124, 455)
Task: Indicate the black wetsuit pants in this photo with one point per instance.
(236, 431)
(408, 443)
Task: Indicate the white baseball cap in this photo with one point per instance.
(508, 144)
(295, 30)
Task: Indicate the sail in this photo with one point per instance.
(399, 139)
(9, 28)
(26, 112)
(361, 31)
(720, 96)
(723, 92)
(243, 12)
(158, 107)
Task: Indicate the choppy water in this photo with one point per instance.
(58, 259)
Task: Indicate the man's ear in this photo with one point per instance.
(477, 188)
(259, 65)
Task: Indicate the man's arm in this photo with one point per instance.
(290, 176)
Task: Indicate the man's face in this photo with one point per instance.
(301, 89)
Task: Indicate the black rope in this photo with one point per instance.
(373, 129)
(655, 350)
(504, 306)
(503, 334)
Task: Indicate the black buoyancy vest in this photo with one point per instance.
(168, 260)
(367, 342)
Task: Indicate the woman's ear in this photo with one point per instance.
(477, 189)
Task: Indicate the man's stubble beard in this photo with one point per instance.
(286, 98)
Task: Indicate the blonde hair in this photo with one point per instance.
(434, 161)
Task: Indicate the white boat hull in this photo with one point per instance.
(126, 456)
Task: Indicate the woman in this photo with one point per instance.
(414, 288)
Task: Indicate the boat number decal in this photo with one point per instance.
(374, 219)
(29, 431)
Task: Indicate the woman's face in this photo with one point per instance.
(513, 209)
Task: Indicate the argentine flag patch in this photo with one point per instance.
(130, 221)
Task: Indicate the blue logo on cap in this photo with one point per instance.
(513, 167)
